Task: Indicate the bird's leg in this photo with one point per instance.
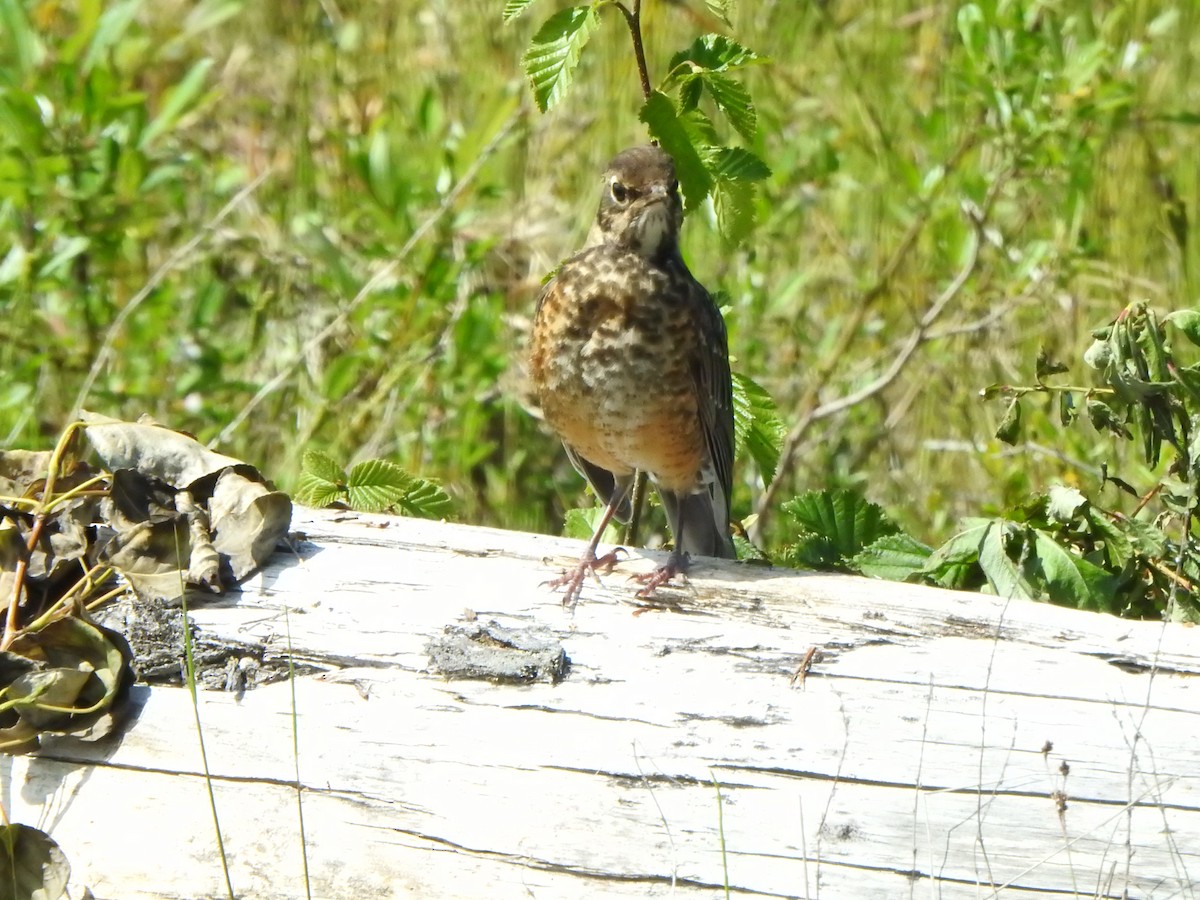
(589, 562)
(676, 564)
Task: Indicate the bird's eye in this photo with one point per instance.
(620, 193)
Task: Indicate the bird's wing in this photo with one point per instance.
(714, 389)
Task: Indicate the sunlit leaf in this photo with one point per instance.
(835, 526)
(1072, 580)
(554, 52)
(664, 124)
(894, 557)
(733, 202)
(737, 164)
(732, 98)
(514, 8)
(756, 424)
(714, 53)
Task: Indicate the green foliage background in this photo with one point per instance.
(1031, 162)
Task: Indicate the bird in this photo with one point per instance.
(629, 360)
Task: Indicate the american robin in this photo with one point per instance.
(630, 361)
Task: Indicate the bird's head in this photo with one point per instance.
(640, 207)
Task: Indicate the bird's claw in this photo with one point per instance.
(572, 580)
(664, 574)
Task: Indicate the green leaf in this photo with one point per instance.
(894, 557)
(733, 202)
(1065, 503)
(322, 481)
(1067, 410)
(712, 53)
(1187, 321)
(323, 467)
(736, 164)
(179, 100)
(1003, 575)
(732, 98)
(1071, 580)
(1009, 429)
(514, 8)
(377, 485)
(554, 52)
(1046, 366)
(950, 565)
(425, 499)
(835, 526)
(1102, 417)
(756, 424)
(720, 8)
(664, 125)
(700, 130)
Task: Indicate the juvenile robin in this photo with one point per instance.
(630, 361)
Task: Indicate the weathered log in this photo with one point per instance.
(939, 745)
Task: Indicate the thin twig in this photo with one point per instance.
(825, 369)
(633, 18)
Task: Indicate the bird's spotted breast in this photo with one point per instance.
(613, 359)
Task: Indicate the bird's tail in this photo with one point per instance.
(699, 523)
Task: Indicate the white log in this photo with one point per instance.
(908, 763)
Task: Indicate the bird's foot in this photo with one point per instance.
(572, 579)
(676, 564)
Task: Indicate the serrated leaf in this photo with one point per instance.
(894, 557)
(376, 485)
(720, 8)
(736, 164)
(835, 526)
(713, 53)
(425, 499)
(313, 491)
(554, 52)
(1009, 429)
(322, 467)
(664, 125)
(733, 202)
(732, 98)
(514, 8)
(756, 425)
(322, 481)
(1071, 580)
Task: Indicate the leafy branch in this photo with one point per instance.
(672, 112)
